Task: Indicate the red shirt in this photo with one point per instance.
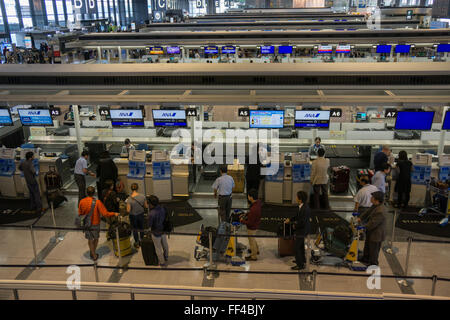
(254, 216)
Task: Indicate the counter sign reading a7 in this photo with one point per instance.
(390, 113)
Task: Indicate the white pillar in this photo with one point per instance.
(108, 55)
(76, 118)
(120, 54)
(99, 54)
(443, 135)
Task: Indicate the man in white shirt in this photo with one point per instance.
(364, 195)
(319, 179)
(223, 186)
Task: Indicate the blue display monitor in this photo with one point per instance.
(384, 49)
(402, 48)
(446, 125)
(35, 117)
(212, 50)
(126, 118)
(312, 119)
(266, 119)
(414, 120)
(443, 48)
(5, 117)
(267, 49)
(228, 50)
(173, 50)
(285, 49)
(169, 118)
(361, 116)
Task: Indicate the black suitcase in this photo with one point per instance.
(340, 179)
(148, 251)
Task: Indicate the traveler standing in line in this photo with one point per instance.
(381, 158)
(379, 179)
(106, 170)
(81, 169)
(86, 206)
(109, 197)
(364, 195)
(403, 184)
(156, 218)
(375, 229)
(252, 221)
(316, 146)
(136, 207)
(223, 186)
(319, 179)
(127, 147)
(29, 174)
(301, 229)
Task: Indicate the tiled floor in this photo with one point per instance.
(16, 248)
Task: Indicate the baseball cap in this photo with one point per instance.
(378, 195)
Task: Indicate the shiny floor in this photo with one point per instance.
(16, 248)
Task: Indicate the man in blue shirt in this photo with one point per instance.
(156, 218)
(224, 187)
(81, 169)
(381, 158)
(379, 179)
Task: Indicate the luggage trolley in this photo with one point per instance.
(437, 201)
(338, 246)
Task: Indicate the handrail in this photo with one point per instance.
(192, 291)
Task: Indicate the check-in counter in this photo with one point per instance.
(180, 177)
(236, 171)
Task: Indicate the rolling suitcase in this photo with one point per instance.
(222, 238)
(286, 242)
(148, 251)
(340, 179)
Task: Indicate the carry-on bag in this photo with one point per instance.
(148, 250)
(286, 241)
(340, 179)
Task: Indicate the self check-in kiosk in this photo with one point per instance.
(7, 170)
(162, 179)
(301, 174)
(136, 166)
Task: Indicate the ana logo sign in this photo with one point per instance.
(126, 114)
(169, 115)
(312, 115)
(34, 113)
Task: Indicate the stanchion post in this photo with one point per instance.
(407, 282)
(34, 247)
(314, 279)
(433, 286)
(132, 296)
(74, 295)
(391, 249)
(96, 271)
(16, 294)
(118, 248)
(210, 265)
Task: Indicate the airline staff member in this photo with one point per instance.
(316, 146)
(127, 147)
(81, 169)
(224, 187)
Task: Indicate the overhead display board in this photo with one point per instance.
(35, 117)
(312, 119)
(266, 119)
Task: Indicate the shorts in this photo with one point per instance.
(93, 233)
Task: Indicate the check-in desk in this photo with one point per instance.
(7, 170)
(180, 177)
(301, 174)
(420, 177)
(287, 181)
(236, 171)
(274, 183)
(162, 175)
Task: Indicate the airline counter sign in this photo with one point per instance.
(336, 113)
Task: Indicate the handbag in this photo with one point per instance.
(143, 207)
(85, 222)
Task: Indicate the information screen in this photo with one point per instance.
(384, 49)
(266, 119)
(211, 50)
(285, 49)
(228, 49)
(156, 50)
(5, 117)
(169, 118)
(361, 116)
(312, 119)
(343, 49)
(443, 48)
(325, 49)
(446, 125)
(414, 120)
(267, 49)
(28, 43)
(173, 50)
(403, 48)
(126, 118)
(35, 117)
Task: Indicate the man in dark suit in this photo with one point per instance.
(301, 225)
(375, 228)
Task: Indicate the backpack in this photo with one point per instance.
(52, 180)
(168, 221)
(85, 222)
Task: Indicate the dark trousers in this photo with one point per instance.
(81, 183)
(225, 207)
(35, 196)
(318, 188)
(403, 198)
(252, 184)
(371, 252)
(300, 257)
(137, 223)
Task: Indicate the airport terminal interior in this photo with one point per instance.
(169, 96)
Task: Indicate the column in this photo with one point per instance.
(442, 139)
(66, 18)
(5, 19)
(120, 54)
(55, 10)
(43, 13)
(99, 55)
(76, 116)
(19, 14)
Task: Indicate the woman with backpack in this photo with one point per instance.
(403, 184)
(137, 206)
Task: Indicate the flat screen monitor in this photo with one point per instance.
(228, 50)
(402, 48)
(156, 50)
(211, 50)
(169, 118)
(446, 125)
(28, 42)
(285, 49)
(35, 117)
(325, 49)
(343, 49)
(312, 119)
(266, 119)
(414, 120)
(267, 49)
(173, 50)
(384, 49)
(5, 117)
(361, 116)
(443, 48)
(126, 118)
